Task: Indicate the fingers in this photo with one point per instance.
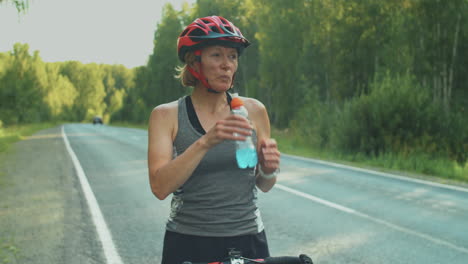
(269, 155)
(227, 129)
(269, 143)
(270, 158)
(238, 121)
(231, 128)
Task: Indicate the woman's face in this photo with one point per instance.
(219, 64)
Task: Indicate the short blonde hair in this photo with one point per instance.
(185, 76)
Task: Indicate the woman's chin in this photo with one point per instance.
(220, 88)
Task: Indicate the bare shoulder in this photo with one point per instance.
(253, 105)
(167, 110)
(258, 115)
(164, 119)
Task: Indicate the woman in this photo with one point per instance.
(191, 153)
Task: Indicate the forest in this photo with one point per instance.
(365, 78)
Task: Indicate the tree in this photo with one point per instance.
(438, 34)
(117, 81)
(21, 5)
(61, 93)
(280, 37)
(162, 85)
(87, 80)
(20, 88)
(134, 108)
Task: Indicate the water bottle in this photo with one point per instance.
(246, 152)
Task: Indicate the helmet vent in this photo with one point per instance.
(197, 32)
(229, 29)
(206, 21)
(215, 29)
(185, 32)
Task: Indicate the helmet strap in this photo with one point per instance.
(232, 82)
(199, 75)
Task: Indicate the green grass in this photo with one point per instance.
(9, 253)
(417, 165)
(12, 134)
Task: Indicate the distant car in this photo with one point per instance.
(97, 120)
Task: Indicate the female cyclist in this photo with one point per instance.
(191, 152)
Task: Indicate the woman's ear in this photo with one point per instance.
(196, 66)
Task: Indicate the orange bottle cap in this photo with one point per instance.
(236, 102)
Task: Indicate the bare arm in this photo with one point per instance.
(166, 174)
(268, 153)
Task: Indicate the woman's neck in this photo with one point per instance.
(209, 102)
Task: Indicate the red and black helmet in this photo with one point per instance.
(211, 30)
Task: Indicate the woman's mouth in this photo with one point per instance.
(225, 78)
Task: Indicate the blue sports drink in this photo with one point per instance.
(246, 153)
(246, 158)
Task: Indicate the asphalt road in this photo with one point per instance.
(334, 213)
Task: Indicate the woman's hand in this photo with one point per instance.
(269, 156)
(233, 127)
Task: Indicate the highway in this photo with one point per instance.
(333, 213)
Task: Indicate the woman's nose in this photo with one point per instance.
(226, 64)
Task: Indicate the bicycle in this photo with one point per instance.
(235, 257)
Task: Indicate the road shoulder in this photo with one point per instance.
(43, 217)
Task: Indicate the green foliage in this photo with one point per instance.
(87, 80)
(34, 91)
(118, 82)
(280, 36)
(415, 165)
(314, 121)
(21, 88)
(394, 116)
(21, 5)
(9, 253)
(162, 85)
(61, 93)
(396, 124)
(134, 108)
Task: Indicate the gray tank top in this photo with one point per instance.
(218, 199)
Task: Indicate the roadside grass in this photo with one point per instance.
(12, 134)
(417, 166)
(9, 252)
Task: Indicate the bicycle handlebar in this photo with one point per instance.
(302, 259)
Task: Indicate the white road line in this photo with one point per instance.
(388, 175)
(373, 219)
(110, 252)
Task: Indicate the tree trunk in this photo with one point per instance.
(452, 66)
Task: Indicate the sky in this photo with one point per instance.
(101, 31)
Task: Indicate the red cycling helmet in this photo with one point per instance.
(211, 30)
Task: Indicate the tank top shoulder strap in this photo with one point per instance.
(229, 99)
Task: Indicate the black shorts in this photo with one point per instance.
(179, 247)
